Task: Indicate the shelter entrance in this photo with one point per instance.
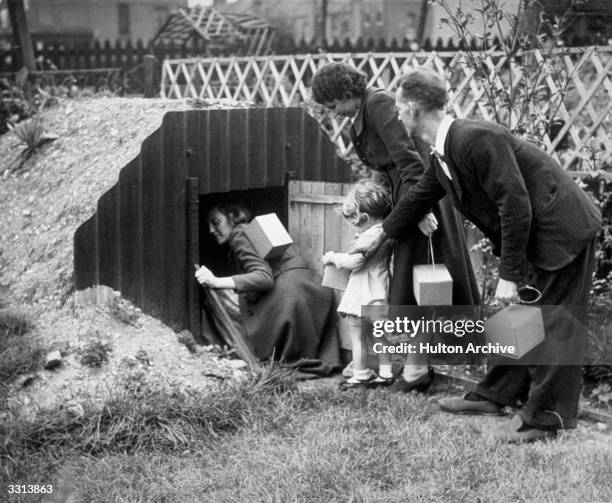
(259, 201)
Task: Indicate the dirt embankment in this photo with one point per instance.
(41, 206)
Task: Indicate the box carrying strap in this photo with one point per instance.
(531, 289)
(431, 252)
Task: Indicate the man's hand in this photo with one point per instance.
(506, 293)
(369, 246)
(428, 224)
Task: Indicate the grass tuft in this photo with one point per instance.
(14, 322)
(19, 354)
(95, 353)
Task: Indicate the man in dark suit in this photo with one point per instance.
(543, 227)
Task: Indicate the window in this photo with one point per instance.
(379, 18)
(410, 20)
(123, 12)
(410, 32)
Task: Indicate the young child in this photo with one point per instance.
(365, 207)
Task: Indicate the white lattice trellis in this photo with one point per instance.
(584, 103)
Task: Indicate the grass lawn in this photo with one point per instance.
(268, 440)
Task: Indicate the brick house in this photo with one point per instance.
(85, 20)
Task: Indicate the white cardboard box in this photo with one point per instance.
(335, 278)
(517, 325)
(433, 285)
(268, 236)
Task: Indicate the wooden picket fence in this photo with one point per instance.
(582, 107)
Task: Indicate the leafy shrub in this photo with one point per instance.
(21, 100)
(513, 98)
(95, 353)
(32, 133)
(603, 394)
(124, 311)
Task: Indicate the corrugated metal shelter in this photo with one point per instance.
(147, 231)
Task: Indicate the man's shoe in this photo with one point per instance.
(459, 405)
(516, 431)
(419, 385)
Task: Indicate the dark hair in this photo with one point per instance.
(425, 87)
(336, 81)
(235, 213)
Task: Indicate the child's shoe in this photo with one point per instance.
(380, 382)
(348, 370)
(362, 379)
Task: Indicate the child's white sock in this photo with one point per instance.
(361, 376)
(385, 371)
(412, 372)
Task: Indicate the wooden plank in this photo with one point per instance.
(194, 303)
(333, 220)
(347, 234)
(109, 239)
(316, 198)
(217, 171)
(308, 252)
(317, 229)
(192, 142)
(130, 200)
(277, 154)
(295, 127)
(257, 145)
(174, 253)
(153, 220)
(86, 254)
(293, 214)
(239, 161)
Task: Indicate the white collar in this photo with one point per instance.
(442, 133)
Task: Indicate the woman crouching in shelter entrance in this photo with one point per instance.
(286, 313)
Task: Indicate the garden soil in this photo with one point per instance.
(43, 200)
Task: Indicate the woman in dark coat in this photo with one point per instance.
(286, 313)
(382, 143)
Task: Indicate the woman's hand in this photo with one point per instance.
(205, 277)
(428, 224)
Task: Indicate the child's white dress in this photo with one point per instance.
(368, 283)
